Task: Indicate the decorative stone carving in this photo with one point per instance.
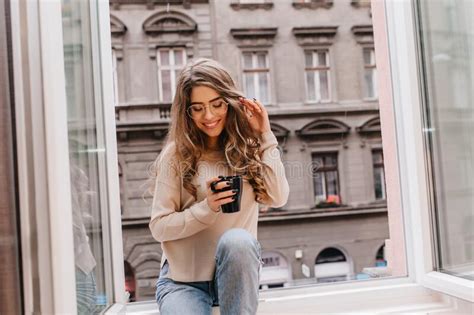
(117, 27)
(314, 4)
(370, 126)
(360, 3)
(364, 34)
(118, 30)
(317, 35)
(166, 29)
(281, 133)
(150, 4)
(371, 129)
(254, 37)
(237, 5)
(169, 22)
(323, 129)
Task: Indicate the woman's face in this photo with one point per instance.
(213, 112)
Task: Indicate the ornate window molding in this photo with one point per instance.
(170, 29)
(372, 126)
(360, 3)
(314, 36)
(364, 34)
(150, 4)
(169, 22)
(323, 129)
(312, 4)
(281, 133)
(118, 30)
(254, 37)
(248, 5)
(370, 131)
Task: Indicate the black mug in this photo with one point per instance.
(235, 182)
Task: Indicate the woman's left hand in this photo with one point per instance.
(256, 114)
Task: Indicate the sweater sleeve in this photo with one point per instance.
(166, 222)
(274, 178)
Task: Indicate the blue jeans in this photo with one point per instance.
(235, 287)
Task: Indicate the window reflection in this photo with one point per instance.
(87, 160)
(447, 38)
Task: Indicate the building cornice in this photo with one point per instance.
(169, 22)
(254, 37)
(364, 34)
(315, 35)
(314, 4)
(237, 5)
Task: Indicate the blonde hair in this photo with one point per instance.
(239, 140)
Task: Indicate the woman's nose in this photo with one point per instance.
(208, 113)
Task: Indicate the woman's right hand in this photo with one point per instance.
(216, 199)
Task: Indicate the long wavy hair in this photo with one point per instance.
(238, 140)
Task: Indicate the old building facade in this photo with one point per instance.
(312, 63)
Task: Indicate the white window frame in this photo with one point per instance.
(317, 86)
(384, 189)
(115, 77)
(374, 75)
(49, 282)
(338, 171)
(408, 188)
(255, 72)
(406, 81)
(172, 67)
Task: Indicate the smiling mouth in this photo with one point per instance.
(214, 124)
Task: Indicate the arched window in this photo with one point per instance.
(331, 266)
(276, 270)
(130, 283)
(380, 257)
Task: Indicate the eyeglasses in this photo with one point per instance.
(197, 111)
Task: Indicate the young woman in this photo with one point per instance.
(212, 258)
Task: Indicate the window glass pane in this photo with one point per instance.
(331, 179)
(447, 40)
(308, 58)
(319, 192)
(164, 57)
(310, 86)
(322, 58)
(330, 160)
(263, 86)
(87, 156)
(261, 60)
(377, 157)
(248, 61)
(166, 85)
(325, 180)
(324, 84)
(367, 56)
(379, 183)
(178, 57)
(249, 85)
(369, 82)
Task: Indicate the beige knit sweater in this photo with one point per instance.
(189, 238)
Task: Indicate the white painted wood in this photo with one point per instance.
(406, 86)
(57, 157)
(114, 214)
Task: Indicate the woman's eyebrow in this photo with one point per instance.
(214, 99)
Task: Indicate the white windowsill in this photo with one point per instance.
(388, 298)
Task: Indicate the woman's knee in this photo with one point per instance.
(237, 240)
